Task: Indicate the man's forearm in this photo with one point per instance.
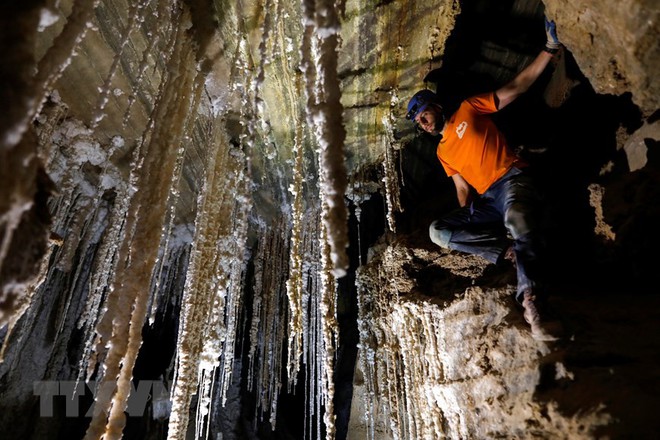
(463, 196)
(523, 81)
(462, 189)
(531, 73)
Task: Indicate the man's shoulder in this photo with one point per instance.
(481, 103)
(481, 97)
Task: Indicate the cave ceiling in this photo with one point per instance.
(386, 52)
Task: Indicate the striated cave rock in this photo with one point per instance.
(214, 216)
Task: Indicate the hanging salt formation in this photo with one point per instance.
(267, 329)
(325, 114)
(212, 296)
(402, 347)
(318, 326)
(81, 206)
(450, 366)
(209, 322)
(309, 287)
(119, 330)
(294, 284)
(131, 237)
(160, 14)
(324, 350)
(390, 172)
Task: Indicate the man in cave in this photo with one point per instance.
(493, 185)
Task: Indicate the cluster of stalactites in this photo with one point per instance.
(268, 332)
(315, 251)
(136, 231)
(295, 283)
(212, 301)
(317, 327)
(126, 309)
(134, 227)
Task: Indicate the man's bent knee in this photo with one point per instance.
(439, 235)
(518, 221)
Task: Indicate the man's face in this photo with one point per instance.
(428, 119)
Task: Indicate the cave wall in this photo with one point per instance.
(152, 128)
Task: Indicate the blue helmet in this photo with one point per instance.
(419, 102)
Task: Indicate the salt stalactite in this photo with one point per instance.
(80, 205)
(311, 297)
(220, 290)
(267, 329)
(359, 191)
(386, 378)
(126, 306)
(315, 384)
(174, 262)
(260, 119)
(325, 113)
(312, 268)
(325, 349)
(358, 220)
(294, 284)
(75, 141)
(390, 172)
(255, 322)
(172, 200)
(208, 317)
(212, 295)
(100, 279)
(142, 68)
(318, 324)
(135, 18)
(236, 280)
(235, 268)
(263, 54)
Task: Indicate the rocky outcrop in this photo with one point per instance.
(615, 43)
(445, 353)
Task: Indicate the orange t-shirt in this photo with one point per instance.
(473, 146)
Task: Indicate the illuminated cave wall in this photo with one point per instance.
(219, 207)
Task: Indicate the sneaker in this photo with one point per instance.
(542, 330)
